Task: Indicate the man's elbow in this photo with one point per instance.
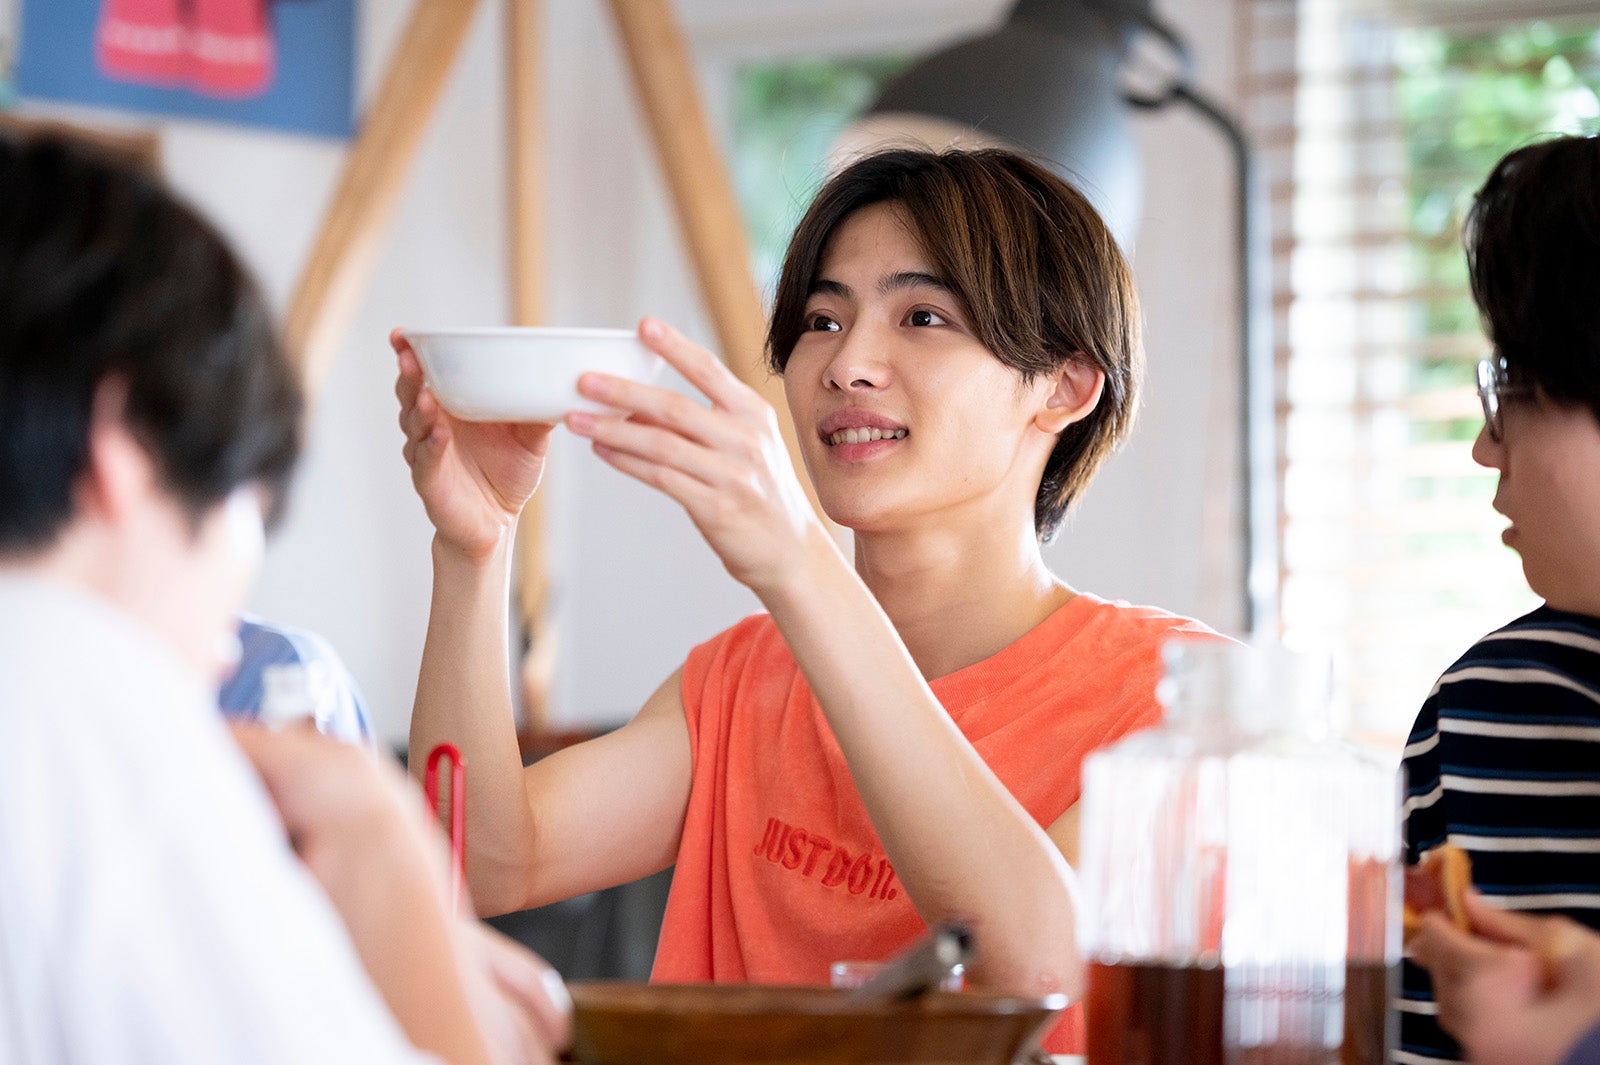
(497, 889)
(1034, 974)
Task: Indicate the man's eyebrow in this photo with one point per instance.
(895, 282)
(905, 279)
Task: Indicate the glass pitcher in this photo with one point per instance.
(1240, 874)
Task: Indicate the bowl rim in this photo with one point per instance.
(936, 1002)
(571, 331)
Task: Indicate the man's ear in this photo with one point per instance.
(1078, 386)
(119, 472)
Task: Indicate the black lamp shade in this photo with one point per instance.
(1048, 87)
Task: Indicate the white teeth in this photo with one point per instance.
(862, 436)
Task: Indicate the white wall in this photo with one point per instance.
(637, 587)
(1157, 526)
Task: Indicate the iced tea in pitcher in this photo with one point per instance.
(1240, 875)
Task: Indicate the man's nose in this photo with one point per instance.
(1487, 451)
(858, 364)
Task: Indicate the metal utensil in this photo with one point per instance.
(920, 969)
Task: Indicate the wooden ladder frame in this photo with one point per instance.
(339, 270)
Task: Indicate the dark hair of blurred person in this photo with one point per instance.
(105, 276)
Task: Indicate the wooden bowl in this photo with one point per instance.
(742, 1024)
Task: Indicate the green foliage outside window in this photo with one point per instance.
(787, 114)
(1466, 100)
(8, 91)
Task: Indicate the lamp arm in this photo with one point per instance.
(1257, 418)
(1258, 430)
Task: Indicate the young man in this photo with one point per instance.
(1504, 760)
(897, 742)
(151, 908)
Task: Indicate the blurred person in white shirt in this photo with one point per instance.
(171, 892)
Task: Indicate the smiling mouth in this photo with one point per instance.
(864, 436)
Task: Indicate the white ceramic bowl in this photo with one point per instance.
(524, 374)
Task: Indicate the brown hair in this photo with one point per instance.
(1038, 273)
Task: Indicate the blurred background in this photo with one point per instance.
(1374, 122)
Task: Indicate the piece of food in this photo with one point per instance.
(1437, 883)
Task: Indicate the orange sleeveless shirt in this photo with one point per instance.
(780, 872)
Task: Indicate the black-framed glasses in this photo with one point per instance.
(1494, 388)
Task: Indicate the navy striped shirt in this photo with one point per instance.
(1504, 762)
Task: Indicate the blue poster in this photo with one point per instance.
(282, 64)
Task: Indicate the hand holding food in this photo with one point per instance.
(1516, 989)
(1437, 884)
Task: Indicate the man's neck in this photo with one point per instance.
(1576, 601)
(958, 599)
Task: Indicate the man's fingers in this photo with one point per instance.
(537, 989)
(685, 490)
(1502, 926)
(1557, 941)
(698, 366)
(654, 405)
(424, 426)
(407, 387)
(658, 446)
(1443, 949)
(534, 436)
(1553, 939)
(419, 418)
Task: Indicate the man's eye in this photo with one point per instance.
(821, 323)
(925, 317)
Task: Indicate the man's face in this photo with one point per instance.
(904, 417)
(1549, 463)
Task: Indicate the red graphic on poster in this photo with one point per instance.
(220, 48)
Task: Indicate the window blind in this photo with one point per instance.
(1376, 122)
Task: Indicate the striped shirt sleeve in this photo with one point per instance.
(1504, 762)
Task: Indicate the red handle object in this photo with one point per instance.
(458, 810)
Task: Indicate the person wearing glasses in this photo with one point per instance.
(1504, 758)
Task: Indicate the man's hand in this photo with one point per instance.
(474, 477)
(1517, 990)
(725, 464)
(350, 817)
(361, 829)
(520, 1003)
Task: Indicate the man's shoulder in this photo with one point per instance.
(753, 642)
(46, 628)
(1514, 702)
(1540, 630)
(746, 634)
(1092, 617)
(267, 642)
(1545, 648)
